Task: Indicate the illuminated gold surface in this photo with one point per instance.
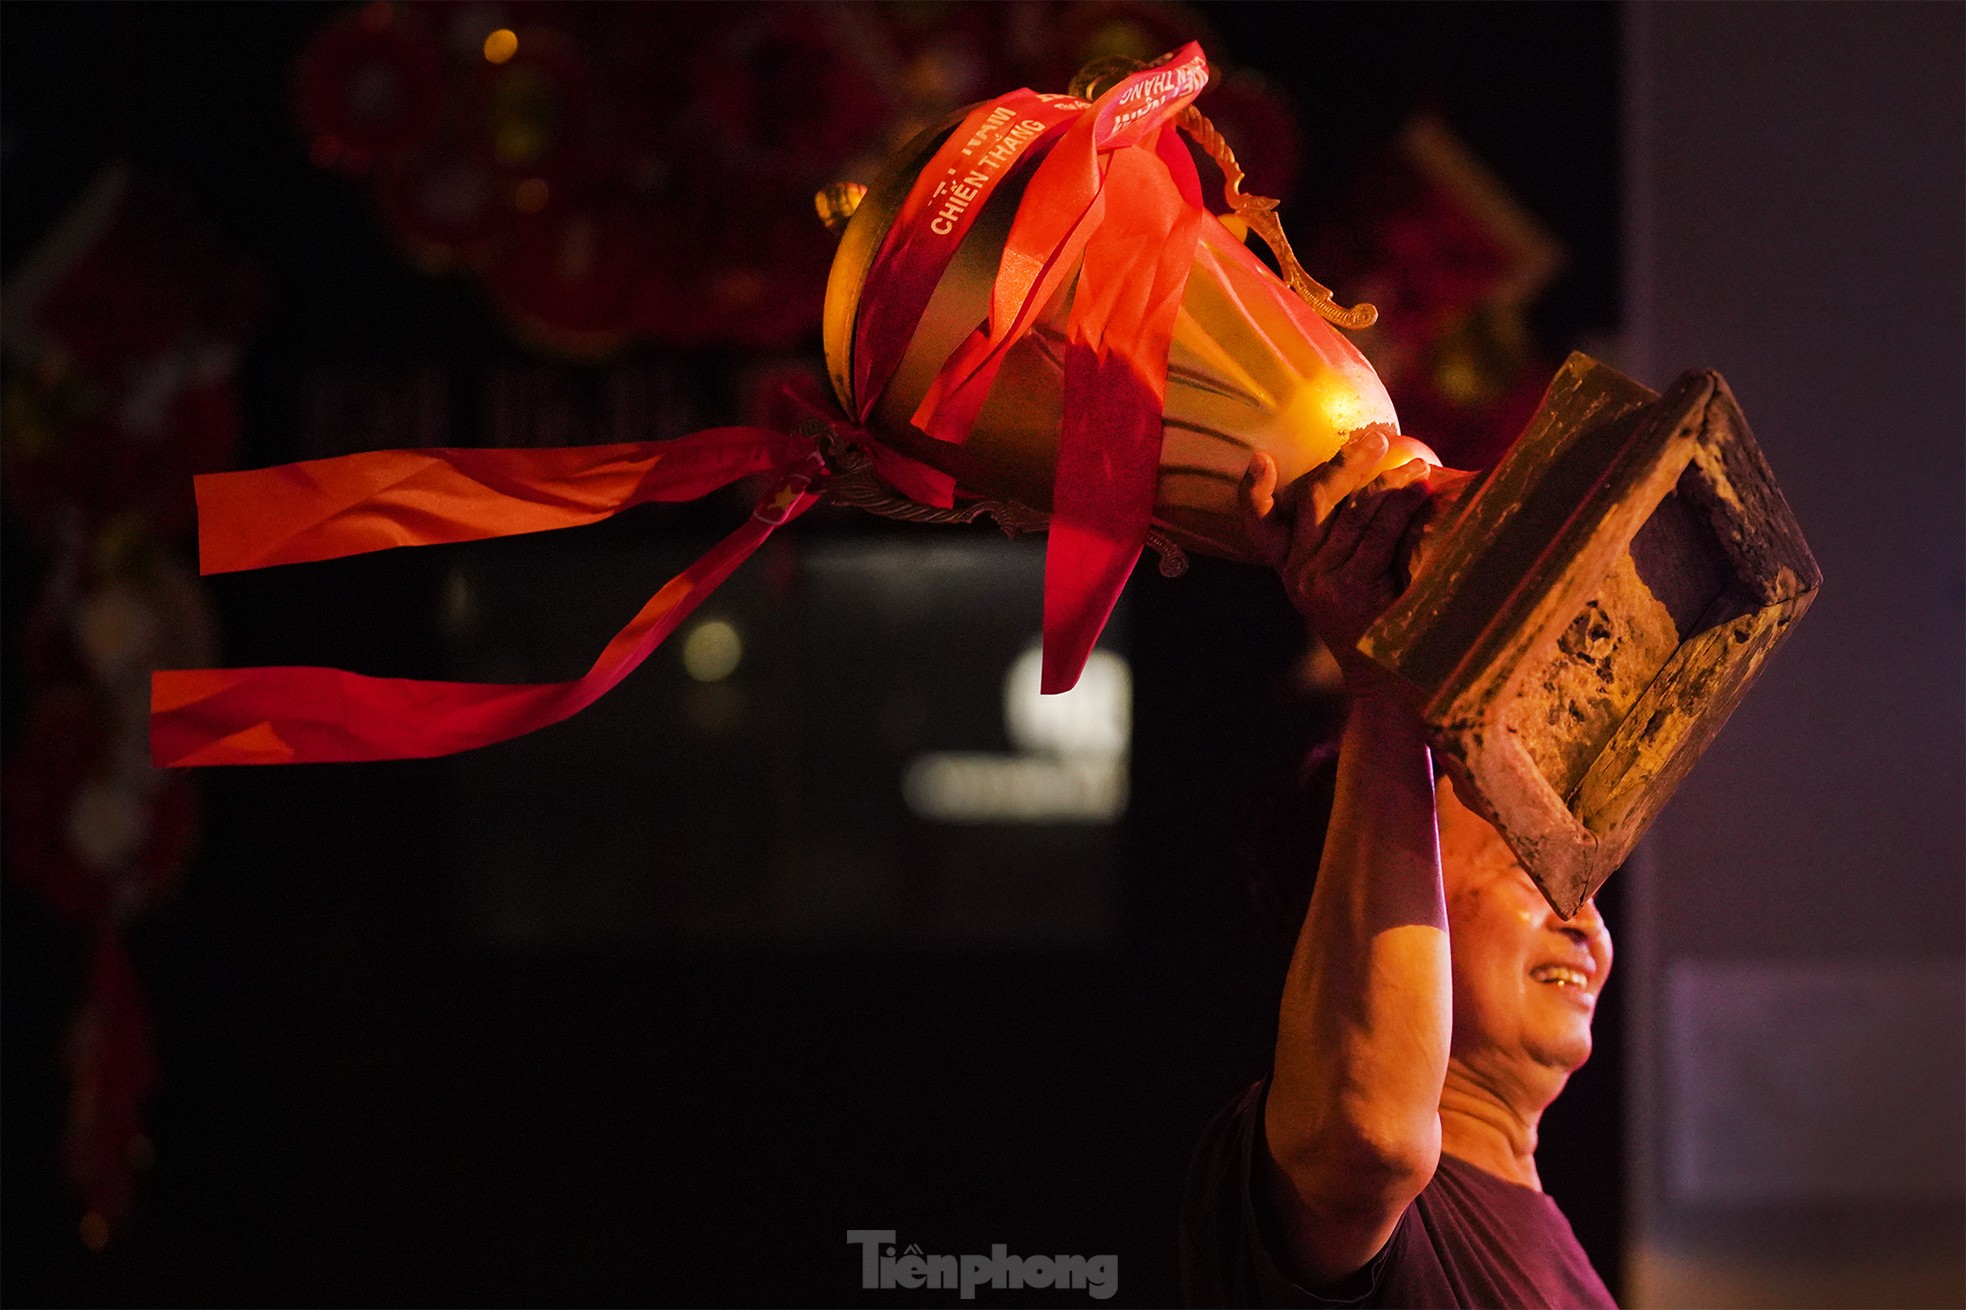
(1252, 368)
(865, 230)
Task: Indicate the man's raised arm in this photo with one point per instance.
(1352, 1119)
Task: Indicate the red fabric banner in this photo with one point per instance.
(1063, 206)
(804, 405)
(1115, 201)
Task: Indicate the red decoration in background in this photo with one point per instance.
(626, 172)
(111, 1054)
(121, 330)
(92, 842)
(369, 87)
(611, 172)
(445, 206)
(125, 329)
(574, 276)
(1453, 261)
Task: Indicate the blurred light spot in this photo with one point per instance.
(501, 45)
(712, 650)
(118, 630)
(1121, 37)
(1461, 380)
(1093, 719)
(325, 150)
(107, 822)
(530, 196)
(94, 1231)
(960, 787)
(521, 117)
(1070, 765)
(576, 252)
(458, 609)
(741, 288)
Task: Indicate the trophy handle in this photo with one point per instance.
(1258, 213)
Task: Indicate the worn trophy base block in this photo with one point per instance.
(1593, 610)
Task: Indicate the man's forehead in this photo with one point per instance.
(1472, 852)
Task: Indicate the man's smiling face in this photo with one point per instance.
(1526, 982)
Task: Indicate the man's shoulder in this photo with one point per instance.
(1468, 1238)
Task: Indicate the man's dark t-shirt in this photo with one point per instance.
(1468, 1239)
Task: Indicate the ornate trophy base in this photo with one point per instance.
(1592, 611)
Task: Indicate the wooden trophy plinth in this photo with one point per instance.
(1593, 609)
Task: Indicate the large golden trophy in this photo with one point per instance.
(1588, 612)
(1033, 316)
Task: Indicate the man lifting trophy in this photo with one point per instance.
(1034, 316)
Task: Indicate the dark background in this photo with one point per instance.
(361, 1105)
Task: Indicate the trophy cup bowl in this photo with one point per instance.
(1252, 367)
(1588, 612)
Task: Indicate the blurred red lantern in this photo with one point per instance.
(91, 840)
(444, 205)
(370, 85)
(570, 277)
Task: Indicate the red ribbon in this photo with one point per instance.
(992, 143)
(324, 509)
(1122, 325)
(1117, 202)
(353, 504)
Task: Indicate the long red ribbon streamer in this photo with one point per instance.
(327, 508)
(374, 501)
(1121, 327)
